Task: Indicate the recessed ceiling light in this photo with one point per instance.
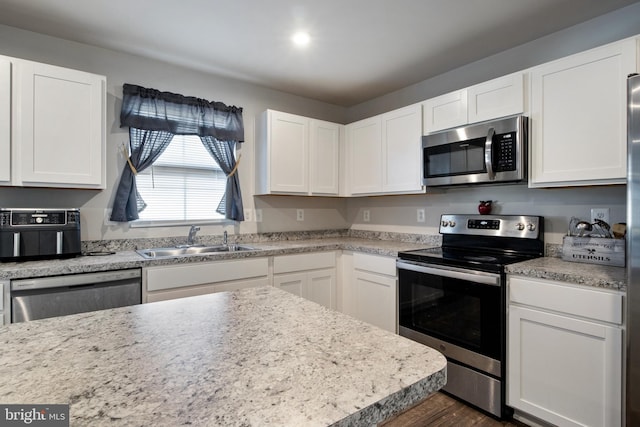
(301, 38)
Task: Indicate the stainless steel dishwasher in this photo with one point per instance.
(53, 296)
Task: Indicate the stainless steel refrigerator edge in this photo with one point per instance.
(633, 254)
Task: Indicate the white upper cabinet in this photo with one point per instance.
(324, 159)
(5, 120)
(58, 127)
(297, 155)
(364, 156)
(445, 111)
(402, 150)
(384, 153)
(496, 98)
(578, 116)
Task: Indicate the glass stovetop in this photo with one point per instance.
(467, 258)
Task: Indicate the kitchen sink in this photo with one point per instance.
(192, 250)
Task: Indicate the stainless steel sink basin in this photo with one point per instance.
(191, 250)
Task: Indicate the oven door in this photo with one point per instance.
(454, 310)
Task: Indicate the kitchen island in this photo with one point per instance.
(255, 357)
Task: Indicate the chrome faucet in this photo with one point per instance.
(192, 234)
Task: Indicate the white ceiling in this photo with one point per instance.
(360, 49)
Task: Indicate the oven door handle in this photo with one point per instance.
(453, 273)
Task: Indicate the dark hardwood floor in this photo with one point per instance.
(444, 411)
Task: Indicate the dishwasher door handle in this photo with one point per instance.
(74, 279)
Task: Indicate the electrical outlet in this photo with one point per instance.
(247, 215)
(601, 214)
(420, 215)
(258, 215)
(300, 214)
(366, 215)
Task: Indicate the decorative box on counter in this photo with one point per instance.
(594, 250)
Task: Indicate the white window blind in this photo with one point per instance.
(184, 184)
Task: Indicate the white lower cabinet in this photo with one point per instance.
(564, 357)
(370, 289)
(186, 280)
(311, 276)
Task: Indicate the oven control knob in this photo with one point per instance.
(520, 226)
(445, 223)
(531, 226)
(452, 223)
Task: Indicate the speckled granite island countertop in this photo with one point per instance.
(600, 276)
(254, 357)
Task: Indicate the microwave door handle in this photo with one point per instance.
(488, 153)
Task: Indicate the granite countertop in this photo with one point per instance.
(131, 259)
(600, 276)
(551, 268)
(259, 356)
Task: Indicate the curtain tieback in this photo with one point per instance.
(125, 152)
(235, 168)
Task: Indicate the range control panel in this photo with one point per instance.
(521, 226)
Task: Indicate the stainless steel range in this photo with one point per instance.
(453, 298)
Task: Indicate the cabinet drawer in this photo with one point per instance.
(588, 303)
(158, 278)
(375, 264)
(303, 262)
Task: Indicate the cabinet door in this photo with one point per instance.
(5, 120)
(376, 300)
(288, 153)
(445, 111)
(294, 283)
(578, 116)
(563, 370)
(496, 98)
(59, 126)
(324, 159)
(364, 156)
(402, 150)
(321, 287)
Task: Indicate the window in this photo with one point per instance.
(184, 184)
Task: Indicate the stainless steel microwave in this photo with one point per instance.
(484, 153)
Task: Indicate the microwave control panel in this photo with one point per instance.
(505, 152)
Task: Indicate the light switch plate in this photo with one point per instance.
(300, 214)
(247, 215)
(366, 215)
(420, 215)
(258, 215)
(601, 214)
